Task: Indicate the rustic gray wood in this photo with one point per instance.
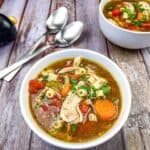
(6, 51)
(31, 16)
(146, 59)
(137, 127)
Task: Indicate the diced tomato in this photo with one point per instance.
(84, 107)
(146, 25)
(35, 85)
(116, 12)
(132, 27)
(56, 102)
(44, 108)
(74, 76)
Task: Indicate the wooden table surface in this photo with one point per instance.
(31, 16)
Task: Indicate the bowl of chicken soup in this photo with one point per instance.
(126, 23)
(75, 98)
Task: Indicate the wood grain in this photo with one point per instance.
(8, 104)
(146, 58)
(17, 133)
(87, 11)
(31, 16)
(5, 51)
(137, 126)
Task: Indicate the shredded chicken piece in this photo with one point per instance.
(70, 111)
(85, 117)
(88, 101)
(67, 69)
(77, 61)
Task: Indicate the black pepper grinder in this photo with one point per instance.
(8, 31)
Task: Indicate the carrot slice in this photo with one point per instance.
(65, 89)
(140, 16)
(106, 110)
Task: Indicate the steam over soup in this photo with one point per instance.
(129, 14)
(75, 100)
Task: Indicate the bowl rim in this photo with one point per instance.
(66, 145)
(115, 26)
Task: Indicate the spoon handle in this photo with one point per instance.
(12, 67)
(11, 75)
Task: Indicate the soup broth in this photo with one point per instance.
(75, 99)
(129, 14)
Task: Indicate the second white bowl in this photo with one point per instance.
(120, 36)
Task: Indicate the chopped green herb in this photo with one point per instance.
(45, 98)
(73, 89)
(85, 87)
(106, 89)
(131, 15)
(93, 92)
(56, 85)
(74, 81)
(139, 7)
(37, 106)
(110, 6)
(45, 78)
(73, 127)
(84, 77)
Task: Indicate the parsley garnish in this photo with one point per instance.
(131, 15)
(110, 6)
(45, 78)
(74, 81)
(73, 127)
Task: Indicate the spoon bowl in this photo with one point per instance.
(57, 20)
(69, 34)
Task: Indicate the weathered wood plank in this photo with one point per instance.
(6, 108)
(36, 142)
(15, 132)
(1, 2)
(87, 11)
(137, 128)
(146, 56)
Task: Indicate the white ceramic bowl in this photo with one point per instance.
(119, 36)
(67, 53)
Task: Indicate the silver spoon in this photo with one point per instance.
(55, 22)
(62, 39)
